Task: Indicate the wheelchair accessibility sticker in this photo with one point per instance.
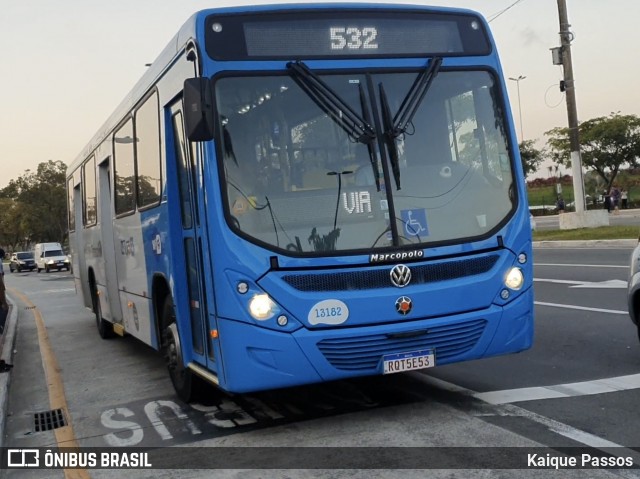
(415, 222)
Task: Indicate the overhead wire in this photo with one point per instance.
(496, 15)
(546, 96)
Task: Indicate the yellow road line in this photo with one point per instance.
(65, 436)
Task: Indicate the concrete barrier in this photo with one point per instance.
(585, 219)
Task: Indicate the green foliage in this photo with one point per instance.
(606, 143)
(530, 157)
(33, 208)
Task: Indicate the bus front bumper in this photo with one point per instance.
(258, 359)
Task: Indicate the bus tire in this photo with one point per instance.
(184, 381)
(105, 328)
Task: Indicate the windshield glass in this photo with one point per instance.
(53, 252)
(24, 256)
(298, 180)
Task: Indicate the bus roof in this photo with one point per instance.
(190, 31)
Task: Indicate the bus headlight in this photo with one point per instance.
(514, 279)
(262, 307)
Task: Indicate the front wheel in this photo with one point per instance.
(184, 381)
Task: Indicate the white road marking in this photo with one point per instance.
(584, 388)
(51, 291)
(609, 284)
(557, 281)
(581, 308)
(505, 409)
(582, 265)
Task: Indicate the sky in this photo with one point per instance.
(66, 65)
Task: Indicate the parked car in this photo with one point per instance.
(633, 288)
(22, 260)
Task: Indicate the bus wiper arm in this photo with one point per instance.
(414, 98)
(412, 101)
(389, 137)
(331, 103)
(372, 154)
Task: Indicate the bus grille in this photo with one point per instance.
(379, 278)
(365, 352)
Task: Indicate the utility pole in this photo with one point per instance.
(574, 137)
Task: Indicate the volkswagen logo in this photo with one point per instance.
(403, 305)
(400, 275)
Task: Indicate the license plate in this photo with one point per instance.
(60, 264)
(410, 361)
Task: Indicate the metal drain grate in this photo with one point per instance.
(48, 420)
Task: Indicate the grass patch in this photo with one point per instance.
(604, 232)
(547, 196)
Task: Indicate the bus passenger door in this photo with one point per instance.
(192, 243)
(112, 309)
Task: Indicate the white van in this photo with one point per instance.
(49, 256)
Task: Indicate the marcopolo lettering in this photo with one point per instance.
(399, 256)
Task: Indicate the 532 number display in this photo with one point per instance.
(353, 38)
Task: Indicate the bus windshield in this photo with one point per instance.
(298, 180)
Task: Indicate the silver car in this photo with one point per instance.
(633, 288)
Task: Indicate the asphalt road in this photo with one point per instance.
(577, 387)
(583, 335)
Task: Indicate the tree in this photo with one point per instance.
(530, 157)
(607, 144)
(35, 206)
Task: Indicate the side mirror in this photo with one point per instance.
(198, 109)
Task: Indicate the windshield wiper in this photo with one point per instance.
(403, 118)
(370, 147)
(330, 102)
(389, 138)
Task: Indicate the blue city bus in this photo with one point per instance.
(294, 194)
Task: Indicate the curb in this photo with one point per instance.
(619, 243)
(8, 341)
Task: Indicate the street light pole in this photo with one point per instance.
(517, 80)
